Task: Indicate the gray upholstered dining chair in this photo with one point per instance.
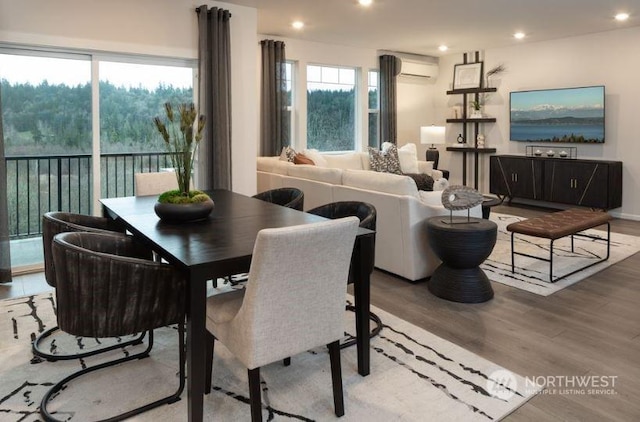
(54, 223)
(287, 197)
(155, 183)
(287, 309)
(108, 286)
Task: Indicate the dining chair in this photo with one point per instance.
(155, 183)
(108, 286)
(54, 223)
(366, 213)
(287, 309)
(287, 197)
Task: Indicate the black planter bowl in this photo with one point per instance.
(183, 213)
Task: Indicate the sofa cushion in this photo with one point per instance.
(320, 174)
(272, 165)
(382, 182)
(385, 161)
(350, 161)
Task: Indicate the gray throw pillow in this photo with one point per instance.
(386, 162)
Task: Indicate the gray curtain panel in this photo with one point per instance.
(214, 93)
(274, 118)
(389, 69)
(5, 254)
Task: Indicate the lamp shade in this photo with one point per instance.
(432, 134)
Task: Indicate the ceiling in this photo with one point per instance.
(420, 26)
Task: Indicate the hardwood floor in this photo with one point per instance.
(590, 328)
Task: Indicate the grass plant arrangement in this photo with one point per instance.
(182, 132)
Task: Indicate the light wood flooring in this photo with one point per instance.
(590, 328)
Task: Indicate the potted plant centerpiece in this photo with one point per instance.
(182, 132)
(476, 109)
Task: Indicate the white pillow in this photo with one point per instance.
(315, 156)
(408, 156)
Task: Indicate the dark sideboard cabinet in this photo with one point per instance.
(587, 183)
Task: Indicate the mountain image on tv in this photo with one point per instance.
(567, 115)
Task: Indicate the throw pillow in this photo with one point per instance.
(385, 161)
(423, 181)
(287, 154)
(300, 158)
(316, 157)
(408, 156)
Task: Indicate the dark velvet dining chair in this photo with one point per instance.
(109, 286)
(287, 197)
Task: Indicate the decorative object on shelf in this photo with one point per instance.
(457, 198)
(476, 109)
(432, 135)
(494, 71)
(460, 138)
(566, 152)
(182, 132)
(480, 140)
(468, 75)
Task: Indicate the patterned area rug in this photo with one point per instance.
(415, 376)
(533, 275)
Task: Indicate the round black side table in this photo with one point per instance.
(462, 247)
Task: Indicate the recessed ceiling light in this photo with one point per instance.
(622, 17)
(518, 35)
(365, 3)
(443, 48)
(297, 24)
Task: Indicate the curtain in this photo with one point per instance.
(274, 119)
(5, 253)
(214, 96)
(389, 69)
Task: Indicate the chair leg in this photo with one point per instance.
(286, 361)
(37, 351)
(255, 395)
(55, 390)
(336, 377)
(210, 342)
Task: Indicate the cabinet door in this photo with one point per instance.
(516, 177)
(578, 183)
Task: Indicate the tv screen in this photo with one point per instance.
(566, 115)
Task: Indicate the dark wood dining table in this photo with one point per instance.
(221, 245)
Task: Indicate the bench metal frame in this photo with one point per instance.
(550, 259)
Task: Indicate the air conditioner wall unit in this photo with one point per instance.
(418, 70)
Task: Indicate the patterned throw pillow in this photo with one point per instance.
(287, 154)
(386, 162)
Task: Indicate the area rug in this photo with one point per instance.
(415, 376)
(532, 275)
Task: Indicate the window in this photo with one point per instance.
(331, 108)
(374, 110)
(289, 130)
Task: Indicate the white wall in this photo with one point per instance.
(608, 58)
(153, 27)
(415, 108)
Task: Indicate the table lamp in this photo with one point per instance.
(432, 135)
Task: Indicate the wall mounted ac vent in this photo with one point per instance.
(418, 70)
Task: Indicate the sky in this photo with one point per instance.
(71, 72)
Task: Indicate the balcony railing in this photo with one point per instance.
(38, 184)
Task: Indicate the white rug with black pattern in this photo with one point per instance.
(532, 275)
(415, 376)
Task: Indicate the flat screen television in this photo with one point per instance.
(567, 115)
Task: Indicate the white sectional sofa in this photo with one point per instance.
(402, 247)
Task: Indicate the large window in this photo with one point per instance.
(374, 109)
(50, 125)
(331, 108)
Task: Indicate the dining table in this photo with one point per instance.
(221, 245)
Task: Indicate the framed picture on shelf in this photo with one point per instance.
(468, 75)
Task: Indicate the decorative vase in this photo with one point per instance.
(476, 114)
(183, 213)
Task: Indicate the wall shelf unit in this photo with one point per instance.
(471, 126)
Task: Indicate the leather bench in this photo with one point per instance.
(558, 225)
